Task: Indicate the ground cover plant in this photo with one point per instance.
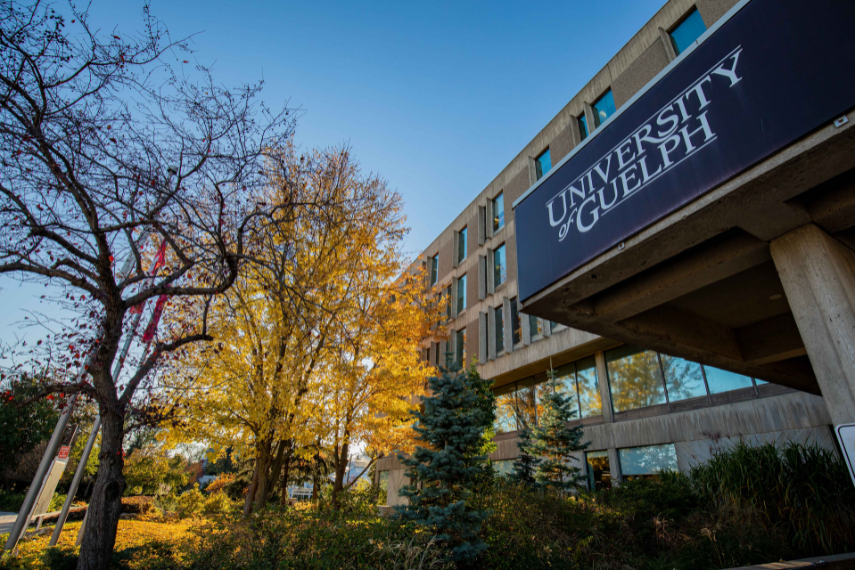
(733, 511)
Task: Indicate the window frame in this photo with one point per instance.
(461, 299)
(434, 270)
(538, 164)
(504, 267)
(462, 244)
(498, 222)
(499, 329)
(597, 120)
(694, 10)
(582, 123)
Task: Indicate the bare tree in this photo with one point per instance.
(109, 151)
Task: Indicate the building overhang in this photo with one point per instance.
(681, 263)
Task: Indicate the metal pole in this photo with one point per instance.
(81, 467)
(23, 520)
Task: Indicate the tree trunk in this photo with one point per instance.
(250, 493)
(106, 503)
(285, 472)
(340, 469)
(264, 461)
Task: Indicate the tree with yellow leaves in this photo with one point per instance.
(318, 299)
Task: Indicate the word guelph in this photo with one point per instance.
(681, 129)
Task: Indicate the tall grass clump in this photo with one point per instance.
(804, 488)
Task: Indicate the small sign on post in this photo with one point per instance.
(846, 437)
(63, 452)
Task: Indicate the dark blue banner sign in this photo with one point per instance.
(775, 71)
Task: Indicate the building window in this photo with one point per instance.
(599, 470)
(635, 378)
(461, 347)
(506, 409)
(447, 293)
(516, 330)
(498, 212)
(724, 381)
(687, 31)
(535, 326)
(590, 403)
(583, 125)
(503, 468)
(552, 326)
(434, 269)
(683, 379)
(579, 380)
(543, 164)
(461, 294)
(461, 245)
(646, 462)
(436, 354)
(604, 107)
(500, 329)
(500, 267)
(383, 483)
(526, 404)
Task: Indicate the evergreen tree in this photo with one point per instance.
(526, 464)
(554, 443)
(442, 475)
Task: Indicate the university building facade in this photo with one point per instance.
(676, 244)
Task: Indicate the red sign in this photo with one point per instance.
(63, 452)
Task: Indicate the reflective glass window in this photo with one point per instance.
(566, 379)
(534, 325)
(635, 378)
(506, 409)
(447, 294)
(498, 212)
(434, 269)
(723, 381)
(687, 31)
(583, 126)
(526, 404)
(683, 379)
(503, 468)
(461, 347)
(540, 390)
(500, 329)
(516, 329)
(461, 245)
(604, 107)
(461, 293)
(590, 402)
(500, 268)
(646, 461)
(543, 164)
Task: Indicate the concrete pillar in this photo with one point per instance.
(605, 393)
(614, 467)
(818, 274)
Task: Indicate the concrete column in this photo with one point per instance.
(818, 274)
(509, 331)
(491, 334)
(665, 37)
(491, 272)
(482, 224)
(454, 297)
(614, 467)
(482, 277)
(455, 245)
(525, 323)
(605, 393)
(482, 338)
(591, 118)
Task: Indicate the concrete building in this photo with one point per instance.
(714, 303)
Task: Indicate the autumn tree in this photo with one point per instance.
(376, 374)
(110, 150)
(264, 389)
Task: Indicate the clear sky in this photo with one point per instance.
(435, 96)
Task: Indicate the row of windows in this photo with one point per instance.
(636, 378)
(635, 462)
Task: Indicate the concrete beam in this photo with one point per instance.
(771, 340)
(680, 275)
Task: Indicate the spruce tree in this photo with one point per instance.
(553, 442)
(443, 474)
(525, 465)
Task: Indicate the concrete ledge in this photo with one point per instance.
(835, 562)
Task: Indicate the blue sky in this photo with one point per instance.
(436, 97)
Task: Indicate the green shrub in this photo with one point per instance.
(137, 505)
(11, 502)
(806, 489)
(217, 503)
(190, 503)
